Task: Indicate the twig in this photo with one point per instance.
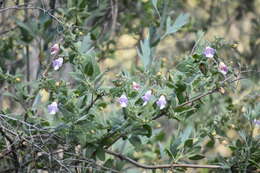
(13, 151)
(140, 165)
(27, 54)
(25, 6)
(114, 11)
(188, 102)
(197, 97)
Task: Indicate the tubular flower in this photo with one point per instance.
(57, 63)
(222, 68)
(53, 108)
(209, 52)
(256, 122)
(161, 102)
(136, 86)
(55, 49)
(146, 97)
(123, 100)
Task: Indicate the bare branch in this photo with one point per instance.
(169, 166)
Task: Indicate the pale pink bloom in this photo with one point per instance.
(222, 68)
(136, 86)
(55, 49)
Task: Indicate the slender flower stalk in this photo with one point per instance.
(53, 108)
(123, 101)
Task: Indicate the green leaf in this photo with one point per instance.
(145, 52)
(135, 141)
(85, 44)
(174, 146)
(188, 143)
(181, 20)
(89, 70)
(154, 2)
(187, 132)
(196, 157)
(101, 154)
(36, 102)
(109, 163)
(24, 26)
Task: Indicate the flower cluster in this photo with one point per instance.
(161, 102)
(209, 52)
(56, 63)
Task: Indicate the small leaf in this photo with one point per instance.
(196, 157)
(181, 20)
(188, 143)
(85, 44)
(203, 68)
(109, 163)
(89, 70)
(154, 2)
(36, 101)
(145, 52)
(101, 154)
(135, 141)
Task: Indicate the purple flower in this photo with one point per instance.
(57, 63)
(53, 108)
(257, 122)
(146, 97)
(209, 52)
(222, 68)
(136, 86)
(161, 102)
(123, 100)
(55, 49)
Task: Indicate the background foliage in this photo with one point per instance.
(210, 119)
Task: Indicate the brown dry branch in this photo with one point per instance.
(169, 166)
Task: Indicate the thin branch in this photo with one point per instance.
(114, 11)
(188, 102)
(163, 166)
(25, 6)
(7, 31)
(197, 97)
(13, 150)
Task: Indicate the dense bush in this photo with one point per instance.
(68, 111)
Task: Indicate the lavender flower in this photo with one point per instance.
(136, 86)
(209, 52)
(256, 122)
(123, 100)
(222, 68)
(146, 97)
(53, 108)
(57, 63)
(55, 49)
(161, 102)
